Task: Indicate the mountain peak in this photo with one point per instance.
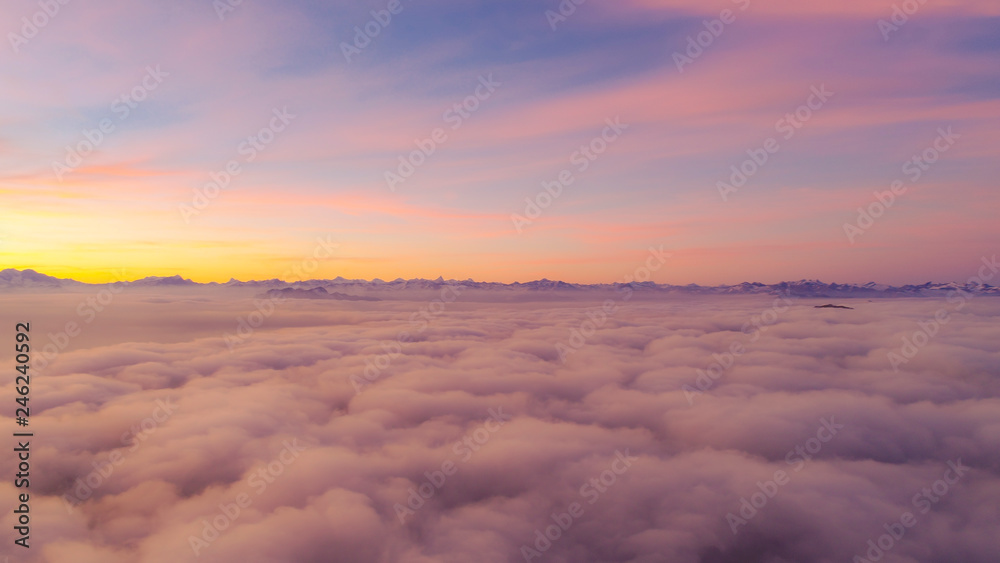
(27, 279)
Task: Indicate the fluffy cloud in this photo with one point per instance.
(273, 451)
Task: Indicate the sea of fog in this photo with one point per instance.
(578, 427)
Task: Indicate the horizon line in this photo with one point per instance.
(441, 279)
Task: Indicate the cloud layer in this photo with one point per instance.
(323, 436)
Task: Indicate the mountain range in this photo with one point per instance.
(13, 280)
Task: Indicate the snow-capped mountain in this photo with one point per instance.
(11, 279)
(156, 281)
(31, 279)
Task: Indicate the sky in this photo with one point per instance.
(116, 118)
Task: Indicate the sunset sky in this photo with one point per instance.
(209, 78)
